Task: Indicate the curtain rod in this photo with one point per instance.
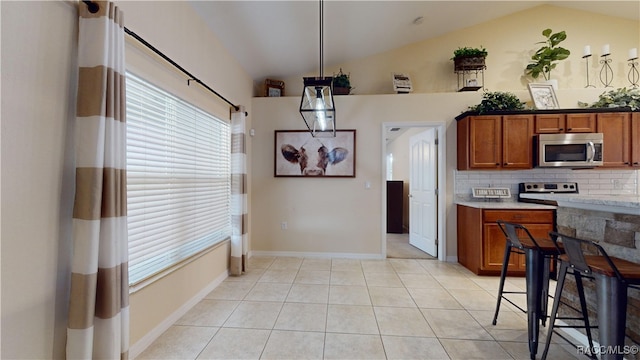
(94, 8)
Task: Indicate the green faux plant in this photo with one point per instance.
(469, 52)
(621, 97)
(547, 57)
(498, 101)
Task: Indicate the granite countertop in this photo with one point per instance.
(507, 205)
(624, 204)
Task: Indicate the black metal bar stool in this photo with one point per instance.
(511, 247)
(538, 253)
(579, 271)
(613, 276)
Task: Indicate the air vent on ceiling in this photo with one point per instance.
(394, 129)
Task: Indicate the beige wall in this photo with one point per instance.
(195, 48)
(38, 88)
(510, 41)
(38, 106)
(340, 217)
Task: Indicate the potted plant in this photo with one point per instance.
(622, 97)
(498, 101)
(547, 57)
(468, 58)
(341, 84)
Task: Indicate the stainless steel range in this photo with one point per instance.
(546, 188)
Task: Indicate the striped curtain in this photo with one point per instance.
(239, 234)
(98, 324)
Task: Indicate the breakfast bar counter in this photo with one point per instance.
(612, 221)
(621, 204)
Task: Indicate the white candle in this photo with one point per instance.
(587, 50)
(633, 53)
(605, 49)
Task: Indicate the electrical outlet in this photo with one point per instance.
(283, 225)
(617, 184)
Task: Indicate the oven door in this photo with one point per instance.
(569, 150)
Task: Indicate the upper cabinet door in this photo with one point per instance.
(485, 150)
(550, 124)
(517, 141)
(635, 139)
(580, 123)
(565, 123)
(616, 128)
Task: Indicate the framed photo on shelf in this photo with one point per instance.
(298, 154)
(543, 96)
(273, 88)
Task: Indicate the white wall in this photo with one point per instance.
(39, 75)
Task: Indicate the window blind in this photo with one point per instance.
(178, 179)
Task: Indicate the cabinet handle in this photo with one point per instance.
(627, 163)
(561, 129)
(505, 164)
(636, 163)
(497, 164)
(568, 129)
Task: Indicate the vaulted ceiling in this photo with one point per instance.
(280, 39)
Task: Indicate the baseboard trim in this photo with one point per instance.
(578, 337)
(453, 259)
(137, 348)
(317, 255)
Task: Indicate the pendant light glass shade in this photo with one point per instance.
(317, 107)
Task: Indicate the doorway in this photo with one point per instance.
(398, 134)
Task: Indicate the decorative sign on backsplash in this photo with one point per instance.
(491, 192)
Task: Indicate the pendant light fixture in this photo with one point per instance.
(317, 106)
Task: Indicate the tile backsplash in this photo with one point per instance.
(593, 182)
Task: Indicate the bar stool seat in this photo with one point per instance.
(613, 276)
(630, 271)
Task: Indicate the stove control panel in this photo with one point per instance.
(553, 187)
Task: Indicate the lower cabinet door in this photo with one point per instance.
(493, 248)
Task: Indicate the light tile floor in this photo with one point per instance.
(306, 308)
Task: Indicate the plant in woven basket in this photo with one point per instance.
(468, 58)
(498, 101)
(341, 83)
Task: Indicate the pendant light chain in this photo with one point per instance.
(321, 37)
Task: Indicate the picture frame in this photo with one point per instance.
(298, 154)
(273, 88)
(543, 96)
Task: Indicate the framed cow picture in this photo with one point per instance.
(298, 154)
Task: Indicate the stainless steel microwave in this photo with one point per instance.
(570, 150)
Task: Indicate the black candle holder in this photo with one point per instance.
(606, 70)
(634, 74)
(586, 60)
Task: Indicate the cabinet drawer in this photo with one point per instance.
(519, 216)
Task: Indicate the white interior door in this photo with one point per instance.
(423, 175)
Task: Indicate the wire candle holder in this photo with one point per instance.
(634, 74)
(586, 60)
(606, 71)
